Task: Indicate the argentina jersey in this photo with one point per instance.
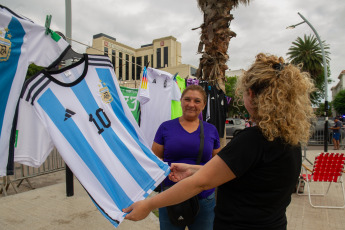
(81, 111)
(22, 42)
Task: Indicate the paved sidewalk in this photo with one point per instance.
(49, 208)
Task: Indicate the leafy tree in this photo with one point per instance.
(307, 51)
(339, 102)
(320, 111)
(32, 70)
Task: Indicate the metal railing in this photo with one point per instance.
(317, 138)
(53, 163)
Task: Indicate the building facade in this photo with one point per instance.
(232, 73)
(163, 53)
(338, 87)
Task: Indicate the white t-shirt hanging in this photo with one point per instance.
(21, 43)
(81, 110)
(157, 90)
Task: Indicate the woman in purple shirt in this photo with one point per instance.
(178, 141)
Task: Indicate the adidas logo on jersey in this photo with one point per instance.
(180, 218)
(68, 114)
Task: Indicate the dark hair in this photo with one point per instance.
(196, 88)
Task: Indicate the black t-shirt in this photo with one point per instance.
(266, 174)
(217, 105)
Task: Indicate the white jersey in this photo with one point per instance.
(81, 110)
(21, 43)
(157, 90)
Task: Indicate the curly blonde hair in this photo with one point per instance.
(281, 103)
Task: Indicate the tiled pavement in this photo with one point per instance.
(49, 208)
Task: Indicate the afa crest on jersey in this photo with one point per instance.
(5, 46)
(105, 94)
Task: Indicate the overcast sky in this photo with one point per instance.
(260, 26)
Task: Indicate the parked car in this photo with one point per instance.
(233, 125)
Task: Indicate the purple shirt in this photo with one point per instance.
(192, 81)
(183, 147)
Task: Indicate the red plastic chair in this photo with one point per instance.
(328, 167)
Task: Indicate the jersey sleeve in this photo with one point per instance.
(44, 48)
(176, 92)
(33, 143)
(144, 92)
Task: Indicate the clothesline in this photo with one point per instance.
(114, 55)
(103, 52)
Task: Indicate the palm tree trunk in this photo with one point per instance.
(214, 41)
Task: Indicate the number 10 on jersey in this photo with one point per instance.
(103, 119)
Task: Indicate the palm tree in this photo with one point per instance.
(215, 38)
(214, 41)
(307, 52)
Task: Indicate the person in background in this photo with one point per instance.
(257, 171)
(178, 140)
(249, 123)
(336, 133)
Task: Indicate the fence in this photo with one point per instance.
(53, 163)
(130, 84)
(317, 138)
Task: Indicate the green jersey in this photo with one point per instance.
(130, 96)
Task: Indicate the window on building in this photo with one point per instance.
(151, 60)
(166, 56)
(105, 50)
(120, 65)
(158, 58)
(146, 60)
(139, 65)
(133, 68)
(127, 67)
(113, 59)
(192, 71)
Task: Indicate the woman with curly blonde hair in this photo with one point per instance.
(258, 170)
(280, 98)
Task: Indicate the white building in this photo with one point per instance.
(232, 73)
(338, 87)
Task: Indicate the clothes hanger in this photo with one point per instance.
(71, 54)
(68, 54)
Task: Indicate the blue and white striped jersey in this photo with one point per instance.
(80, 110)
(21, 43)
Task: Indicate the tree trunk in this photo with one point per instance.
(214, 42)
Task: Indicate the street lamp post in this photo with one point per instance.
(325, 73)
(69, 173)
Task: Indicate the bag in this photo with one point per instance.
(183, 214)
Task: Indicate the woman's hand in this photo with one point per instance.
(179, 171)
(138, 210)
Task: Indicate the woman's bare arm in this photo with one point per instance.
(213, 174)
